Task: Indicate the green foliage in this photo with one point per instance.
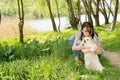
(37, 8)
(33, 8)
(48, 56)
(109, 38)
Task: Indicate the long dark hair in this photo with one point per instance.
(90, 29)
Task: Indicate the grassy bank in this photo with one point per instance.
(48, 56)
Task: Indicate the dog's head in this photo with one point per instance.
(87, 40)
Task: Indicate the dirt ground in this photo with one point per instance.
(114, 58)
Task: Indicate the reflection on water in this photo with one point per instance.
(46, 25)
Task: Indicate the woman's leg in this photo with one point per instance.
(75, 53)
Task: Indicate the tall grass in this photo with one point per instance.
(49, 60)
(48, 56)
(9, 28)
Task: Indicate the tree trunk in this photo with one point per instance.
(21, 19)
(0, 17)
(103, 10)
(58, 15)
(74, 21)
(87, 10)
(106, 19)
(51, 15)
(115, 16)
(97, 23)
(109, 7)
(79, 11)
(96, 12)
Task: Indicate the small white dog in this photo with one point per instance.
(91, 59)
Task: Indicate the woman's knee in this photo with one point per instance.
(72, 38)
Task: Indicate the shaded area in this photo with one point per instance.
(34, 49)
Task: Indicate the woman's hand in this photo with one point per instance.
(85, 50)
(82, 47)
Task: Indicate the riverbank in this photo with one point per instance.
(9, 28)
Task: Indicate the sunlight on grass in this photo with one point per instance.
(110, 39)
(48, 56)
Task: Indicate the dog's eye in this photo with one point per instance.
(87, 39)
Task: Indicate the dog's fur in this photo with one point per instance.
(91, 59)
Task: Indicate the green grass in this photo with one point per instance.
(110, 39)
(48, 56)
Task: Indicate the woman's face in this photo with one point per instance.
(85, 32)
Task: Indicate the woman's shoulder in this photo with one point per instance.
(95, 34)
(78, 33)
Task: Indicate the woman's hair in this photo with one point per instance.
(89, 28)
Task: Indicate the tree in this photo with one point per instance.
(74, 21)
(87, 4)
(115, 15)
(51, 15)
(96, 12)
(79, 11)
(21, 19)
(0, 17)
(58, 15)
(104, 7)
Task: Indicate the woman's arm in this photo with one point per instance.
(99, 45)
(99, 49)
(75, 47)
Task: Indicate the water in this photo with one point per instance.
(46, 24)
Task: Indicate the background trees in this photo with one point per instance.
(73, 9)
(39, 8)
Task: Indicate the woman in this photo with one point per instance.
(87, 30)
